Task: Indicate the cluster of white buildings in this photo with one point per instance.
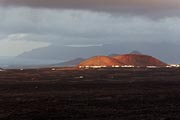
(87, 67)
(103, 66)
(173, 66)
(128, 66)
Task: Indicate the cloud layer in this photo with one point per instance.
(29, 24)
(154, 8)
(28, 28)
(75, 27)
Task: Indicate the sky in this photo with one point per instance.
(30, 24)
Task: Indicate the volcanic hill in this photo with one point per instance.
(101, 61)
(135, 52)
(139, 60)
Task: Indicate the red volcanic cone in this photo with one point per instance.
(101, 61)
(139, 60)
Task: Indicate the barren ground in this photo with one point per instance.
(103, 94)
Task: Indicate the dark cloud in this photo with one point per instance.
(137, 7)
(21, 22)
(75, 27)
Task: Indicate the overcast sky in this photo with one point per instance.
(29, 24)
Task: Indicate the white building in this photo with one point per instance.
(128, 66)
(151, 67)
(95, 67)
(115, 66)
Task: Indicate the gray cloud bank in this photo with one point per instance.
(76, 27)
(36, 21)
(155, 8)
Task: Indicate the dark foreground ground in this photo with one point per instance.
(112, 94)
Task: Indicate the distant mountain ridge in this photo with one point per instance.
(167, 51)
(69, 63)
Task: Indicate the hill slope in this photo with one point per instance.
(100, 61)
(139, 60)
(73, 62)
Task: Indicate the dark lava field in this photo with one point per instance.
(98, 94)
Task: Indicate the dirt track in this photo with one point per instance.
(103, 94)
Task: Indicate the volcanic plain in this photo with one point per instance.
(92, 94)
